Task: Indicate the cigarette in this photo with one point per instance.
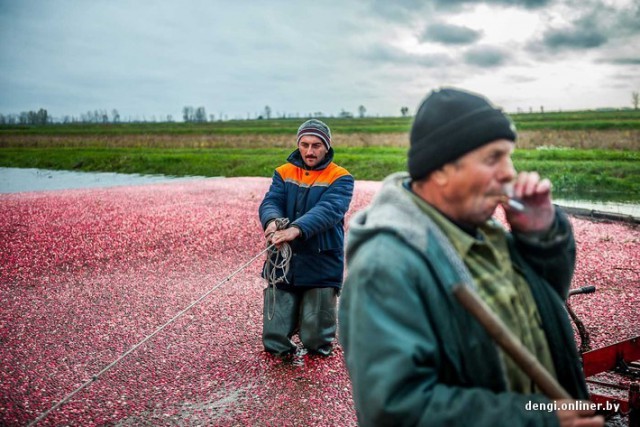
(516, 205)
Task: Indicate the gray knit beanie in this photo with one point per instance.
(450, 123)
(316, 128)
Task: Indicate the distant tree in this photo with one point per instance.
(267, 112)
(94, 116)
(9, 119)
(635, 99)
(404, 111)
(362, 111)
(115, 116)
(42, 117)
(212, 117)
(200, 115)
(345, 114)
(188, 113)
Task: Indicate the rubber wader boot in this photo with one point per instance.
(318, 320)
(279, 320)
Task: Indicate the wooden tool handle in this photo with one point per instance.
(509, 343)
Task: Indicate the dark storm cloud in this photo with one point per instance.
(450, 34)
(596, 25)
(486, 57)
(574, 38)
(585, 33)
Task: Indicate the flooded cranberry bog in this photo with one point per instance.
(87, 274)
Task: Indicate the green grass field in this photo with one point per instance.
(593, 155)
(591, 174)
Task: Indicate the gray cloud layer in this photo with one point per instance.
(71, 56)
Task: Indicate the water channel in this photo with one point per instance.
(15, 180)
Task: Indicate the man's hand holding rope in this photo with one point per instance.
(278, 258)
(277, 236)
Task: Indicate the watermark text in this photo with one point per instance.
(578, 405)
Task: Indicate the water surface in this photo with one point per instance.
(17, 180)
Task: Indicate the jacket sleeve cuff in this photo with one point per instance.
(557, 233)
(301, 236)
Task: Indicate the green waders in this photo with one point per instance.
(309, 312)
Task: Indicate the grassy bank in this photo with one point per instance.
(592, 154)
(592, 174)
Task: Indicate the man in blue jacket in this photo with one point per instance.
(415, 356)
(313, 194)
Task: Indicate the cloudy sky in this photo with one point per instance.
(150, 59)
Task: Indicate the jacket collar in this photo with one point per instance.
(393, 210)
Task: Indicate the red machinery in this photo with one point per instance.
(619, 359)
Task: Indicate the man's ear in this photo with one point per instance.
(441, 176)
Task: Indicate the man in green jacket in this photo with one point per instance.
(414, 355)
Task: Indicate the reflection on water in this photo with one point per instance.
(16, 180)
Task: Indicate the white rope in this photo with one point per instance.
(147, 338)
(277, 267)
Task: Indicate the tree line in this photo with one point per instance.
(190, 114)
(40, 117)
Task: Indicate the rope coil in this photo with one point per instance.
(277, 267)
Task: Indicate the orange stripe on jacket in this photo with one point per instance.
(311, 178)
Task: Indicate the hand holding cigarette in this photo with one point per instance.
(528, 204)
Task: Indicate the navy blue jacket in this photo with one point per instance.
(316, 201)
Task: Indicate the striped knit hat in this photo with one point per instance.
(316, 128)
